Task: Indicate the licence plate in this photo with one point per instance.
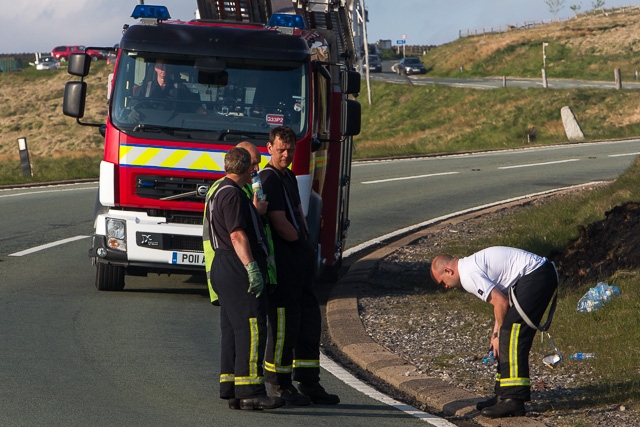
(187, 258)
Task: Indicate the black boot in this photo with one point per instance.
(261, 402)
(487, 403)
(317, 393)
(505, 408)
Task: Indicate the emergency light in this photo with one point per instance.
(286, 20)
(143, 11)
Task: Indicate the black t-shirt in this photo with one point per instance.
(232, 210)
(274, 184)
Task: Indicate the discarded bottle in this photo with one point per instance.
(489, 359)
(256, 184)
(582, 356)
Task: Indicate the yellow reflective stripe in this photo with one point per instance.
(227, 378)
(253, 349)
(172, 158)
(513, 350)
(249, 380)
(278, 369)
(515, 382)
(306, 363)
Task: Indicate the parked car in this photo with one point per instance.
(375, 64)
(62, 53)
(410, 65)
(47, 63)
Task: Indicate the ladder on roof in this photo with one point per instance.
(332, 15)
(335, 16)
(252, 11)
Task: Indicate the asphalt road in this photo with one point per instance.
(73, 356)
(388, 74)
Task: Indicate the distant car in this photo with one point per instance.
(62, 53)
(375, 64)
(47, 63)
(410, 65)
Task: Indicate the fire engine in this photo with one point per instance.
(233, 73)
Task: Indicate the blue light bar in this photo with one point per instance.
(160, 13)
(286, 20)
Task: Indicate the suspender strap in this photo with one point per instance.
(514, 302)
(552, 309)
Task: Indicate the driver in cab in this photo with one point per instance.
(164, 92)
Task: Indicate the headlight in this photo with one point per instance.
(116, 234)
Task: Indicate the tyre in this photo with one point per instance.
(109, 277)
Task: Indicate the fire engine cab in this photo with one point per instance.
(184, 93)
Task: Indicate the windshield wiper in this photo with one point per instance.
(142, 127)
(243, 133)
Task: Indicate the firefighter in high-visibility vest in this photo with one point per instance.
(238, 275)
(261, 206)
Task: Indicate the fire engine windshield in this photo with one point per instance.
(176, 97)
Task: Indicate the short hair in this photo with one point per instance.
(285, 133)
(237, 161)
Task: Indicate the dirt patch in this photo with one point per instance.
(604, 247)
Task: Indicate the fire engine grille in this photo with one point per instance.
(171, 188)
(186, 243)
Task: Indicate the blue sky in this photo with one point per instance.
(39, 25)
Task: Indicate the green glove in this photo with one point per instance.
(256, 282)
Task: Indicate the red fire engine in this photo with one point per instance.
(231, 78)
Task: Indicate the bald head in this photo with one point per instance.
(444, 271)
(256, 157)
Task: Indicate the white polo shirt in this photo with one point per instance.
(499, 266)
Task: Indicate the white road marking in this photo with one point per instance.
(625, 154)
(48, 245)
(340, 373)
(409, 177)
(539, 164)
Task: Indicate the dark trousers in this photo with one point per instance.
(243, 329)
(533, 292)
(293, 344)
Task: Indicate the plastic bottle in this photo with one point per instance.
(256, 184)
(582, 356)
(489, 359)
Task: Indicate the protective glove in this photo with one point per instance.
(256, 282)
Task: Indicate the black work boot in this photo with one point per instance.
(289, 394)
(505, 408)
(317, 393)
(487, 403)
(261, 402)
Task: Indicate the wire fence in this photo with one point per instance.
(469, 32)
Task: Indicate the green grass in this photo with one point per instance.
(48, 169)
(410, 120)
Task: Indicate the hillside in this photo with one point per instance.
(590, 46)
(31, 106)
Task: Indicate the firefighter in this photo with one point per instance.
(260, 205)
(293, 345)
(237, 277)
(500, 275)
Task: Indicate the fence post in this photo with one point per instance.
(618, 78)
(544, 79)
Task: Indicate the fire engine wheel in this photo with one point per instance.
(109, 277)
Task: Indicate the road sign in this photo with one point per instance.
(401, 41)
